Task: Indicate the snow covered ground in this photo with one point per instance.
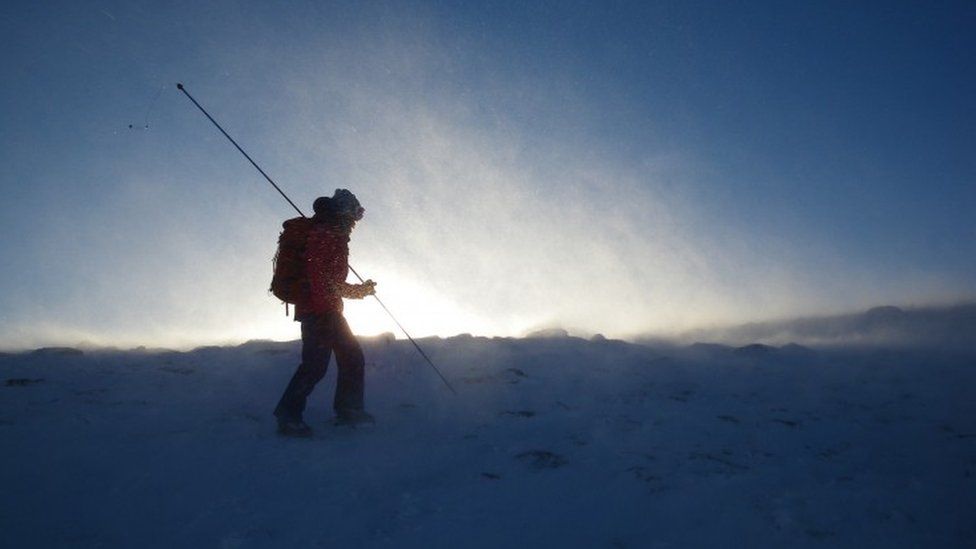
(557, 442)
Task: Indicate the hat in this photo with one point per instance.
(342, 203)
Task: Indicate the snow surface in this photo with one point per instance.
(552, 442)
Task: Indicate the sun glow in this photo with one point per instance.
(420, 310)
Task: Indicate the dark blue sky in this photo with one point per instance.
(614, 167)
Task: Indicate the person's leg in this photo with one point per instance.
(316, 352)
(350, 361)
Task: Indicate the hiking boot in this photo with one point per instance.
(354, 417)
(293, 428)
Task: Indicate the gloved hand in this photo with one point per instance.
(369, 287)
(357, 291)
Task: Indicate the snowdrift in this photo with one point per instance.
(552, 442)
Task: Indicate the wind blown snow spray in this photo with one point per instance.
(180, 87)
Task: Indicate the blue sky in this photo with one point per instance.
(606, 167)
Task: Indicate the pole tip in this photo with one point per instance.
(179, 85)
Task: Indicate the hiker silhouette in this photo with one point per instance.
(310, 271)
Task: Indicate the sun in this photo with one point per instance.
(419, 310)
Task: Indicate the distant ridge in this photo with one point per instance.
(951, 327)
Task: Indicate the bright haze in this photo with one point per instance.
(621, 168)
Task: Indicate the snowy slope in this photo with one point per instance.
(557, 442)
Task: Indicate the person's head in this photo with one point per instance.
(341, 206)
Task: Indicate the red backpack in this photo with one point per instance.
(290, 282)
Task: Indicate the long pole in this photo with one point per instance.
(180, 87)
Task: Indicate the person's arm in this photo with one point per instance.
(355, 291)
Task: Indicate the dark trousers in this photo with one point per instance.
(322, 335)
